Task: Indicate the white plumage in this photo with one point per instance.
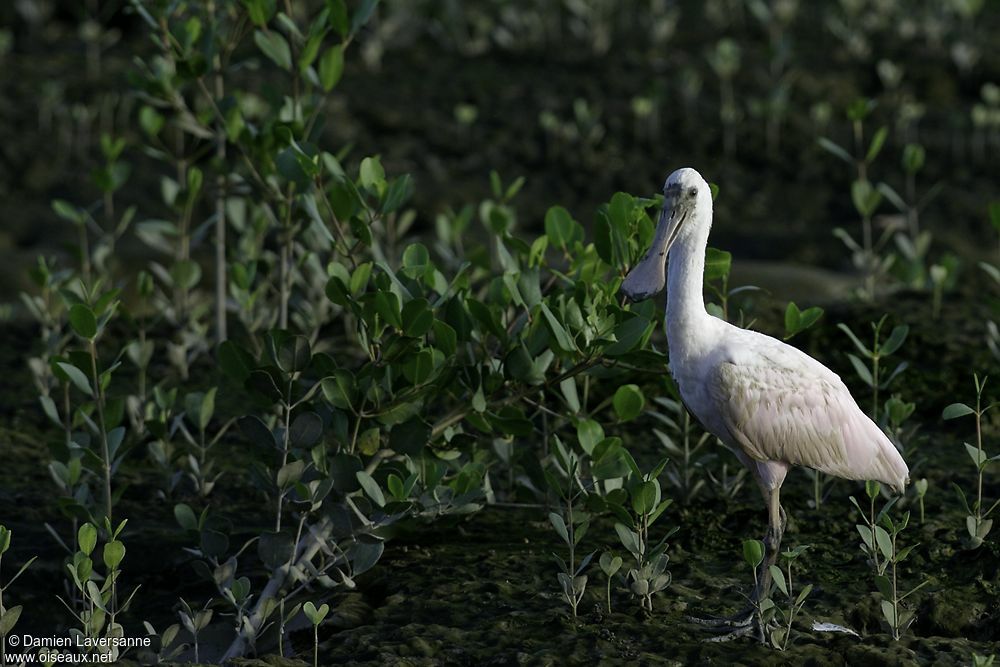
(774, 405)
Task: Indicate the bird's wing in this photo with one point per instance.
(782, 405)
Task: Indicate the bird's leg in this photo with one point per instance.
(749, 619)
(772, 544)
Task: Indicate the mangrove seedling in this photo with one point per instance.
(920, 486)
(8, 616)
(315, 617)
(797, 321)
(194, 622)
(610, 564)
(887, 581)
(873, 376)
(753, 555)
(646, 505)
(783, 580)
(571, 526)
(977, 521)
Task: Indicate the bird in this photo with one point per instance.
(773, 405)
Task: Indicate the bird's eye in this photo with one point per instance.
(693, 192)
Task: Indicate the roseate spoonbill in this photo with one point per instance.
(772, 404)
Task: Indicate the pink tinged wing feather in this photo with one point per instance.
(801, 413)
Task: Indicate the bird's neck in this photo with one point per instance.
(687, 321)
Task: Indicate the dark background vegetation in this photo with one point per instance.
(515, 62)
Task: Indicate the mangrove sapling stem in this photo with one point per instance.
(84, 253)
(307, 549)
(979, 447)
(895, 592)
(872, 497)
(221, 286)
(284, 269)
(284, 450)
(572, 541)
(105, 450)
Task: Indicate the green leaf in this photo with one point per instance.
(419, 368)
(753, 552)
(186, 517)
(866, 198)
(82, 319)
(835, 150)
(895, 340)
(875, 147)
(610, 564)
(863, 372)
(68, 211)
(953, 411)
(629, 334)
(151, 121)
(884, 542)
(114, 553)
(562, 338)
(977, 455)
(337, 16)
(629, 402)
(331, 67)
(799, 320)
(340, 388)
(363, 13)
(628, 538)
(371, 488)
(589, 433)
(290, 473)
(416, 261)
(644, 498)
(889, 612)
(306, 430)
(8, 619)
(185, 274)
(914, 157)
(260, 11)
(718, 263)
(315, 615)
(274, 46)
(560, 227)
(77, 377)
(372, 174)
(294, 354)
(275, 549)
(560, 525)
(779, 578)
(883, 585)
(387, 306)
(369, 441)
(213, 543)
(994, 214)
(311, 49)
(86, 538)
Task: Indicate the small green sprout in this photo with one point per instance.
(610, 564)
(797, 321)
(315, 617)
(920, 486)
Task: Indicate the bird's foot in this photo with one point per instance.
(728, 628)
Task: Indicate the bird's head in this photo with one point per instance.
(687, 206)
